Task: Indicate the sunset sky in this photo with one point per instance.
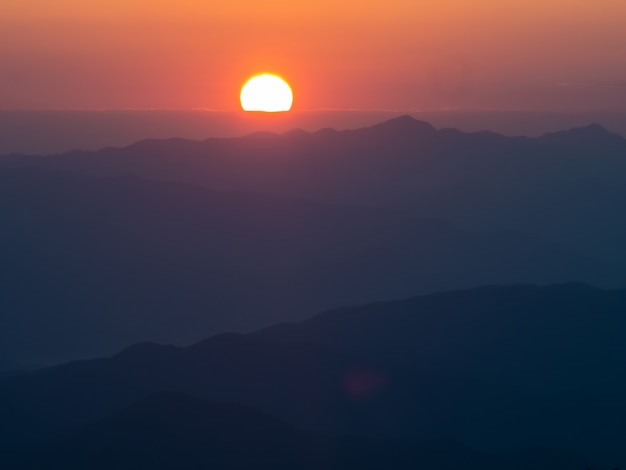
(382, 55)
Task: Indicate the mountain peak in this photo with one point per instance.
(403, 118)
(590, 132)
(404, 123)
(297, 132)
(592, 129)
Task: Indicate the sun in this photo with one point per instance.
(266, 92)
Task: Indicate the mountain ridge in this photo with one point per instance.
(447, 365)
(172, 262)
(563, 186)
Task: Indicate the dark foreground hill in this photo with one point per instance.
(167, 431)
(498, 369)
(568, 187)
(91, 265)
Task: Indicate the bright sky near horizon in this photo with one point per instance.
(398, 54)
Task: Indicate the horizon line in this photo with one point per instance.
(328, 109)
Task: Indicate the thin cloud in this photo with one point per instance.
(594, 83)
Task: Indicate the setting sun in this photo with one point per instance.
(266, 92)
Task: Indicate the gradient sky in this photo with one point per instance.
(355, 54)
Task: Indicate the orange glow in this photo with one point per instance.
(365, 54)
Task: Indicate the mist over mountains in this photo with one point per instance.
(566, 187)
(501, 370)
(471, 284)
(90, 265)
(64, 130)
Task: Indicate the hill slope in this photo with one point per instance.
(91, 265)
(498, 369)
(567, 186)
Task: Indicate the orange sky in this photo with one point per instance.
(394, 54)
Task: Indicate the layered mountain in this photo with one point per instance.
(497, 369)
(566, 186)
(91, 265)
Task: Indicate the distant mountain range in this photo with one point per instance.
(497, 369)
(568, 187)
(175, 241)
(90, 265)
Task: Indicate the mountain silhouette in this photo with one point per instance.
(230, 245)
(168, 430)
(91, 265)
(497, 369)
(567, 186)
